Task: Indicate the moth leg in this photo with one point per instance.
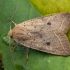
(27, 53)
(14, 47)
(27, 56)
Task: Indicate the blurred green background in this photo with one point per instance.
(27, 9)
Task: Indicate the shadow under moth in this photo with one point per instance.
(46, 34)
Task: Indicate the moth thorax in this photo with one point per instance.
(10, 33)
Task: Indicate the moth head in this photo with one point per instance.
(10, 33)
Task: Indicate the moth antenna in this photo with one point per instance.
(10, 26)
(10, 46)
(10, 49)
(9, 36)
(11, 29)
(13, 16)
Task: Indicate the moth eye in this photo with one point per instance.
(48, 23)
(48, 43)
(11, 36)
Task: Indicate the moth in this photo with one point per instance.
(46, 34)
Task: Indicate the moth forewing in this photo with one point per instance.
(45, 34)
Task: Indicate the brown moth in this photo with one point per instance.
(46, 34)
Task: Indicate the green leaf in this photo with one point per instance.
(52, 6)
(14, 57)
